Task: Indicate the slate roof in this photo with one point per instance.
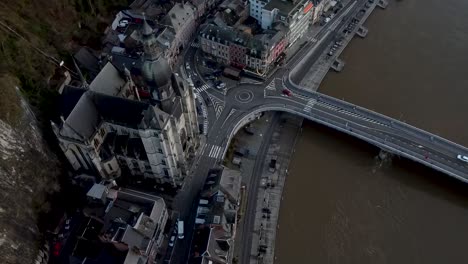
(68, 99)
(225, 35)
(131, 63)
(92, 108)
(281, 5)
(86, 58)
(179, 15)
(108, 81)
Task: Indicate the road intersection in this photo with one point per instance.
(226, 112)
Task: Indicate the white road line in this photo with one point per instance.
(309, 105)
(271, 85)
(215, 152)
(218, 151)
(212, 150)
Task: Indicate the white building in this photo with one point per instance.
(295, 15)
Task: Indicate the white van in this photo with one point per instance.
(180, 229)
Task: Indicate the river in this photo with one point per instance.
(341, 204)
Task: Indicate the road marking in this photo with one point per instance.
(195, 45)
(218, 104)
(215, 152)
(203, 88)
(205, 126)
(309, 105)
(271, 85)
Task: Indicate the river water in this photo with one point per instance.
(341, 204)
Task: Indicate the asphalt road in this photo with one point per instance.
(226, 111)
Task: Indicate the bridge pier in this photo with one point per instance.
(338, 65)
(382, 4)
(383, 155)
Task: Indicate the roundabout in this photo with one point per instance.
(244, 96)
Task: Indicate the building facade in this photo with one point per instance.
(294, 14)
(131, 222)
(242, 50)
(181, 20)
(216, 218)
(120, 126)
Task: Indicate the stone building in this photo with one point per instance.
(138, 120)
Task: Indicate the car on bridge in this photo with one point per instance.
(287, 92)
(463, 158)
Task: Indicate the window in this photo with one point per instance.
(166, 172)
(163, 162)
(102, 132)
(110, 167)
(135, 164)
(96, 142)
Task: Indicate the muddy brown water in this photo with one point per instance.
(341, 204)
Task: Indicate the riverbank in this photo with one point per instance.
(274, 139)
(332, 51)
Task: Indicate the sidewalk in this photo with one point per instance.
(271, 184)
(269, 193)
(253, 143)
(320, 68)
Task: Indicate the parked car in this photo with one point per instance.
(123, 23)
(287, 92)
(249, 130)
(221, 85)
(171, 241)
(272, 165)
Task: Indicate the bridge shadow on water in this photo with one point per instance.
(409, 173)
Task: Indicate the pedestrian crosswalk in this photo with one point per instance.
(216, 152)
(205, 126)
(202, 88)
(309, 105)
(195, 45)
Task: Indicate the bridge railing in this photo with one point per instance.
(391, 122)
(354, 130)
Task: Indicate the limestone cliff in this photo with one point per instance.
(28, 172)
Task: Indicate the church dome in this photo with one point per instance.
(156, 72)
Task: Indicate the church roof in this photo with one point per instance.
(93, 108)
(157, 72)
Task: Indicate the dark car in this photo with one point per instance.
(287, 92)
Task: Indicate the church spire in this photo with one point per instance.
(147, 30)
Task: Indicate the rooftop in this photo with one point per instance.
(228, 34)
(179, 15)
(108, 81)
(126, 222)
(93, 108)
(284, 6)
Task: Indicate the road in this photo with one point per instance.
(226, 113)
